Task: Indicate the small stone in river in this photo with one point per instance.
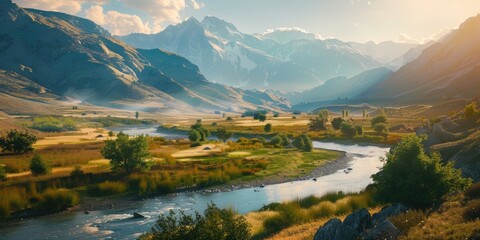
(87, 212)
(137, 215)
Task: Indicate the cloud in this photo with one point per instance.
(66, 6)
(118, 23)
(197, 5)
(161, 11)
(293, 29)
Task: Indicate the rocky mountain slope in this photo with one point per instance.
(69, 56)
(448, 69)
(278, 61)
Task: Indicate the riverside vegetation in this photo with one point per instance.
(172, 164)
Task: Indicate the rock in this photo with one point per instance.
(386, 212)
(86, 212)
(137, 215)
(359, 221)
(335, 230)
(385, 230)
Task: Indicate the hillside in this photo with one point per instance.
(446, 70)
(66, 56)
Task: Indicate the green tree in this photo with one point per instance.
(262, 117)
(204, 133)
(380, 128)
(303, 143)
(17, 142)
(218, 224)
(412, 177)
(285, 140)
(267, 128)
(223, 134)
(137, 115)
(348, 129)
(127, 154)
(38, 166)
(276, 141)
(276, 115)
(378, 119)
(317, 124)
(194, 135)
(336, 122)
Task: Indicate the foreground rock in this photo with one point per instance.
(361, 225)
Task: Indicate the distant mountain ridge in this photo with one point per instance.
(448, 69)
(226, 55)
(68, 56)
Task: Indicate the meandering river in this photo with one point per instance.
(118, 224)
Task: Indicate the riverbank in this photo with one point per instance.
(89, 204)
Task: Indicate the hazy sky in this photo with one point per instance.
(356, 20)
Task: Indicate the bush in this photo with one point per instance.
(55, 200)
(77, 172)
(303, 143)
(289, 214)
(348, 129)
(38, 166)
(108, 188)
(359, 129)
(411, 177)
(267, 128)
(336, 122)
(378, 119)
(317, 124)
(405, 221)
(17, 142)
(219, 224)
(285, 140)
(276, 141)
(380, 128)
(472, 211)
(473, 191)
(229, 119)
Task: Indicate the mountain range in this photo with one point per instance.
(278, 59)
(65, 56)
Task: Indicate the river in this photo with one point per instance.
(118, 224)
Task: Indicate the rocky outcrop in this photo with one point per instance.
(361, 225)
(385, 230)
(335, 230)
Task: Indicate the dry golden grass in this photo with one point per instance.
(199, 151)
(307, 231)
(446, 223)
(256, 219)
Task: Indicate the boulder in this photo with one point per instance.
(359, 221)
(335, 230)
(386, 212)
(385, 231)
(137, 215)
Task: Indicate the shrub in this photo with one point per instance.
(411, 177)
(472, 211)
(317, 124)
(17, 142)
(285, 140)
(405, 221)
(348, 129)
(38, 166)
(267, 128)
(108, 188)
(473, 191)
(221, 224)
(77, 172)
(359, 129)
(336, 122)
(55, 200)
(378, 119)
(223, 134)
(472, 113)
(380, 128)
(289, 214)
(303, 143)
(229, 119)
(276, 141)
